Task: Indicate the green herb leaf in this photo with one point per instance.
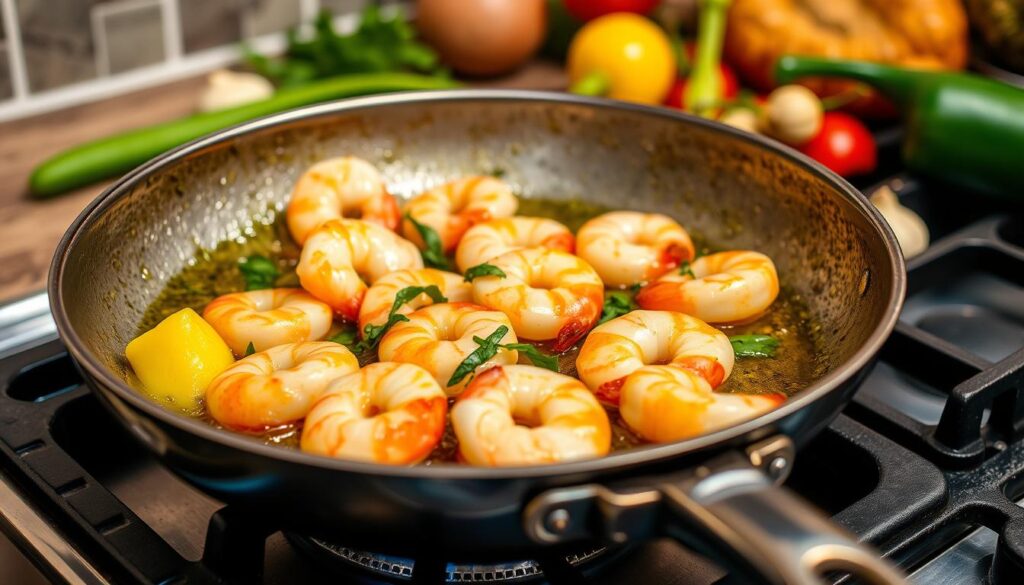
(250, 349)
(483, 270)
(761, 346)
(498, 172)
(536, 356)
(259, 272)
(433, 255)
(616, 304)
(686, 270)
(477, 357)
(347, 336)
(373, 333)
(379, 44)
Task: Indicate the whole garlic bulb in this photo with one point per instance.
(226, 89)
(911, 231)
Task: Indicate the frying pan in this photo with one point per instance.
(717, 493)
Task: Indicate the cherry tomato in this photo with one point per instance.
(844, 145)
(590, 9)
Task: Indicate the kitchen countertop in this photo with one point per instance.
(31, 228)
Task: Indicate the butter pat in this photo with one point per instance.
(177, 360)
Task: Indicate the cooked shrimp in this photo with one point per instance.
(384, 413)
(617, 348)
(627, 247)
(558, 418)
(439, 338)
(669, 403)
(266, 318)
(340, 253)
(724, 288)
(276, 386)
(379, 297)
(453, 207)
(339, 187)
(547, 294)
(493, 238)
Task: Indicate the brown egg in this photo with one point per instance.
(483, 37)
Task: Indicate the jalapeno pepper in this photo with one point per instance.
(961, 128)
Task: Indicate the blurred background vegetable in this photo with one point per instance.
(843, 144)
(684, 56)
(703, 92)
(622, 56)
(483, 37)
(379, 44)
(587, 10)
(961, 128)
(1000, 24)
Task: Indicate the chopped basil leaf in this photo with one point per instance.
(686, 270)
(346, 336)
(761, 346)
(259, 272)
(536, 356)
(433, 255)
(616, 304)
(373, 333)
(250, 349)
(483, 270)
(479, 356)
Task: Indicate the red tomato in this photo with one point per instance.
(844, 145)
(726, 78)
(590, 9)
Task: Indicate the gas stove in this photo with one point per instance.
(926, 464)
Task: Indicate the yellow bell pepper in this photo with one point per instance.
(622, 56)
(177, 359)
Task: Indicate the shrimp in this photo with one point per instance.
(440, 337)
(266, 318)
(726, 287)
(627, 247)
(385, 413)
(379, 297)
(558, 418)
(547, 294)
(617, 348)
(340, 253)
(336, 188)
(669, 403)
(493, 238)
(453, 207)
(276, 386)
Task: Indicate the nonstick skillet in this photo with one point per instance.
(716, 493)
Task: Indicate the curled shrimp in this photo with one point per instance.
(339, 187)
(453, 207)
(276, 386)
(669, 403)
(491, 239)
(439, 337)
(381, 295)
(547, 294)
(385, 413)
(266, 318)
(617, 348)
(340, 253)
(627, 247)
(726, 287)
(523, 415)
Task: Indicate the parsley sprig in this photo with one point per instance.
(686, 270)
(433, 254)
(616, 304)
(484, 269)
(487, 348)
(249, 349)
(760, 346)
(259, 272)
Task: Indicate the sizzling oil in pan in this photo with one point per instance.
(215, 272)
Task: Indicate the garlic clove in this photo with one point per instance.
(911, 231)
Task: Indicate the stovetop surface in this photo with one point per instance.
(926, 464)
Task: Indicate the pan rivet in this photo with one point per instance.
(777, 466)
(558, 520)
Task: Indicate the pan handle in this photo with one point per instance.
(731, 509)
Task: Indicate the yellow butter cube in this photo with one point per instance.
(177, 359)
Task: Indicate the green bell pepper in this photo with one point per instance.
(961, 128)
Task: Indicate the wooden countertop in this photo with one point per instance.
(31, 229)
